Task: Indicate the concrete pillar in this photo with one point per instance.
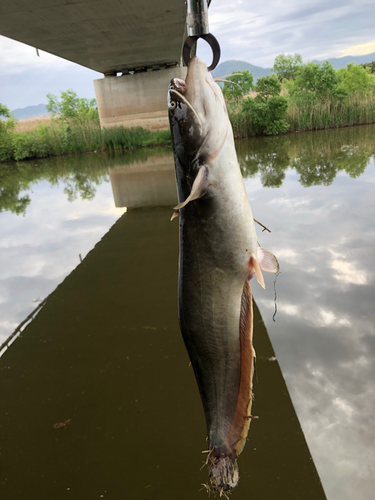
(138, 100)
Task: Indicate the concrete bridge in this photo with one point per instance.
(135, 44)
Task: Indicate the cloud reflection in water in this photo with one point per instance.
(324, 335)
(322, 222)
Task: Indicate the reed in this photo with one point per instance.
(241, 122)
(78, 136)
(55, 137)
(28, 124)
(357, 109)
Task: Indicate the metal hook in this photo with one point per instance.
(212, 42)
(197, 27)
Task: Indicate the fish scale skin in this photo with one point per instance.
(212, 273)
(217, 240)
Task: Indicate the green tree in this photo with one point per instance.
(70, 106)
(317, 82)
(4, 111)
(6, 133)
(286, 67)
(239, 84)
(268, 110)
(354, 78)
(267, 87)
(370, 67)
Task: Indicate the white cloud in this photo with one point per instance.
(255, 32)
(17, 58)
(348, 273)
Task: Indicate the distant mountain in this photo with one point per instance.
(227, 67)
(31, 112)
(341, 62)
(224, 68)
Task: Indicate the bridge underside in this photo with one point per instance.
(103, 35)
(112, 37)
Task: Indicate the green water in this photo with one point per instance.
(104, 354)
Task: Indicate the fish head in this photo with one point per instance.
(197, 114)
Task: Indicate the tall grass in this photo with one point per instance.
(56, 137)
(79, 136)
(355, 110)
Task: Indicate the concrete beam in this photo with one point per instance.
(136, 100)
(103, 35)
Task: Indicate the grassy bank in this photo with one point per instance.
(355, 110)
(75, 136)
(56, 137)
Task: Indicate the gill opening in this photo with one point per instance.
(190, 106)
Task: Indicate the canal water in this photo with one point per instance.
(97, 398)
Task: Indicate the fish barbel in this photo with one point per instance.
(219, 254)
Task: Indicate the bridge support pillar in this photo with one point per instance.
(138, 100)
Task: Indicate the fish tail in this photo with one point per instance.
(223, 473)
(222, 461)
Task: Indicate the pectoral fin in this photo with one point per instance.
(175, 214)
(254, 264)
(198, 189)
(267, 261)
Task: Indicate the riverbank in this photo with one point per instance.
(76, 136)
(355, 110)
(55, 137)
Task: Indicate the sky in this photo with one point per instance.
(255, 32)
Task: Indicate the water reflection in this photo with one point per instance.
(148, 180)
(80, 175)
(324, 335)
(318, 157)
(106, 354)
(149, 184)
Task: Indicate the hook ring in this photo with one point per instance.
(212, 42)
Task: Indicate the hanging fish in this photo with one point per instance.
(219, 254)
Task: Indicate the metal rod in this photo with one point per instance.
(197, 18)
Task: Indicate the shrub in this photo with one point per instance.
(6, 133)
(267, 117)
(267, 111)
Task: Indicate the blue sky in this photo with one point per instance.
(255, 32)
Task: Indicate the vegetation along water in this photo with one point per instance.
(295, 98)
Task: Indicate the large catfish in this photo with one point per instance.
(219, 254)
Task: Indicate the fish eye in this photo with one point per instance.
(172, 104)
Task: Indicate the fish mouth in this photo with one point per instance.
(195, 90)
(197, 113)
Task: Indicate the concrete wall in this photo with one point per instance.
(136, 100)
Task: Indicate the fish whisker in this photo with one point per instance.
(230, 81)
(188, 104)
(224, 76)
